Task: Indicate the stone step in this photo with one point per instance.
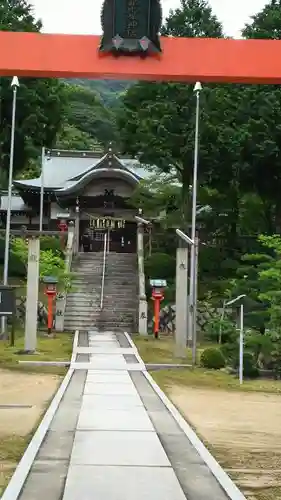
(125, 327)
(87, 321)
(72, 327)
(82, 315)
(86, 289)
(86, 284)
(118, 270)
(81, 272)
(82, 309)
(82, 299)
(86, 278)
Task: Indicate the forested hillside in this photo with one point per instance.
(109, 91)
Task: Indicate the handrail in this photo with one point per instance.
(103, 270)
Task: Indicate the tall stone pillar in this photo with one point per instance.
(142, 320)
(30, 339)
(181, 302)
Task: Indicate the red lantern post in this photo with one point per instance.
(157, 296)
(50, 291)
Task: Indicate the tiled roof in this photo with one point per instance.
(17, 204)
(62, 171)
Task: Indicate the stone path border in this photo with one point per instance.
(221, 476)
(18, 479)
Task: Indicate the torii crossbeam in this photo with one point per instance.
(182, 59)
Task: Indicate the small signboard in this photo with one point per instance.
(158, 283)
(7, 301)
(131, 27)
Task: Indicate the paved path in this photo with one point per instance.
(117, 451)
(113, 435)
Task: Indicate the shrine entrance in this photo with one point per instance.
(121, 234)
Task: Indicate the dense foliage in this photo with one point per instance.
(40, 103)
(239, 168)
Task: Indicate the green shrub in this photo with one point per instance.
(225, 326)
(51, 243)
(249, 366)
(212, 358)
(230, 352)
(250, 369)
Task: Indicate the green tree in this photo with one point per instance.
(262, 129)
(194, 18)
(157, 120)
(40, 102)
(51, 262)
(71, 137)
(87, 113)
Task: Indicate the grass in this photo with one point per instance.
(213, 380)
(58, 348)
(12, 447)
(161, 351)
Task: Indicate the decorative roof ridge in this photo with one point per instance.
(90, 174)
(73, 153)
(85, 172)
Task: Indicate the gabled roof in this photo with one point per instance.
(63, 170)
(102, 169)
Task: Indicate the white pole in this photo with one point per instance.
(14, 85)
(42, 191)
(241, 344)
(197, 89)
(194, 336)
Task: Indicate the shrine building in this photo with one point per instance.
(91, 188)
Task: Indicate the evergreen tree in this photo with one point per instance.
(40, 103)
(157, 120)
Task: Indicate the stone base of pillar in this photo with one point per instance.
(142, 316)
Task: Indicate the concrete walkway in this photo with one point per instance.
(128, 445)
(116, 454)
(110, 433)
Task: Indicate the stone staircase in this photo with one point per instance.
(83, 302)
(120, 304)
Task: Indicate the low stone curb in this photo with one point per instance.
(18, 479)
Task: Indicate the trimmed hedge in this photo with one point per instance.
(212, 358)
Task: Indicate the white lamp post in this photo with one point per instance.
(42, 191)
(192, 289)
(14, 86)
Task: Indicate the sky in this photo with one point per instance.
(83, 16)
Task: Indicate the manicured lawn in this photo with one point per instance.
(161, 351)
(58, 348)
(214, 380)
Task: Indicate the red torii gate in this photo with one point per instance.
(182, 60)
